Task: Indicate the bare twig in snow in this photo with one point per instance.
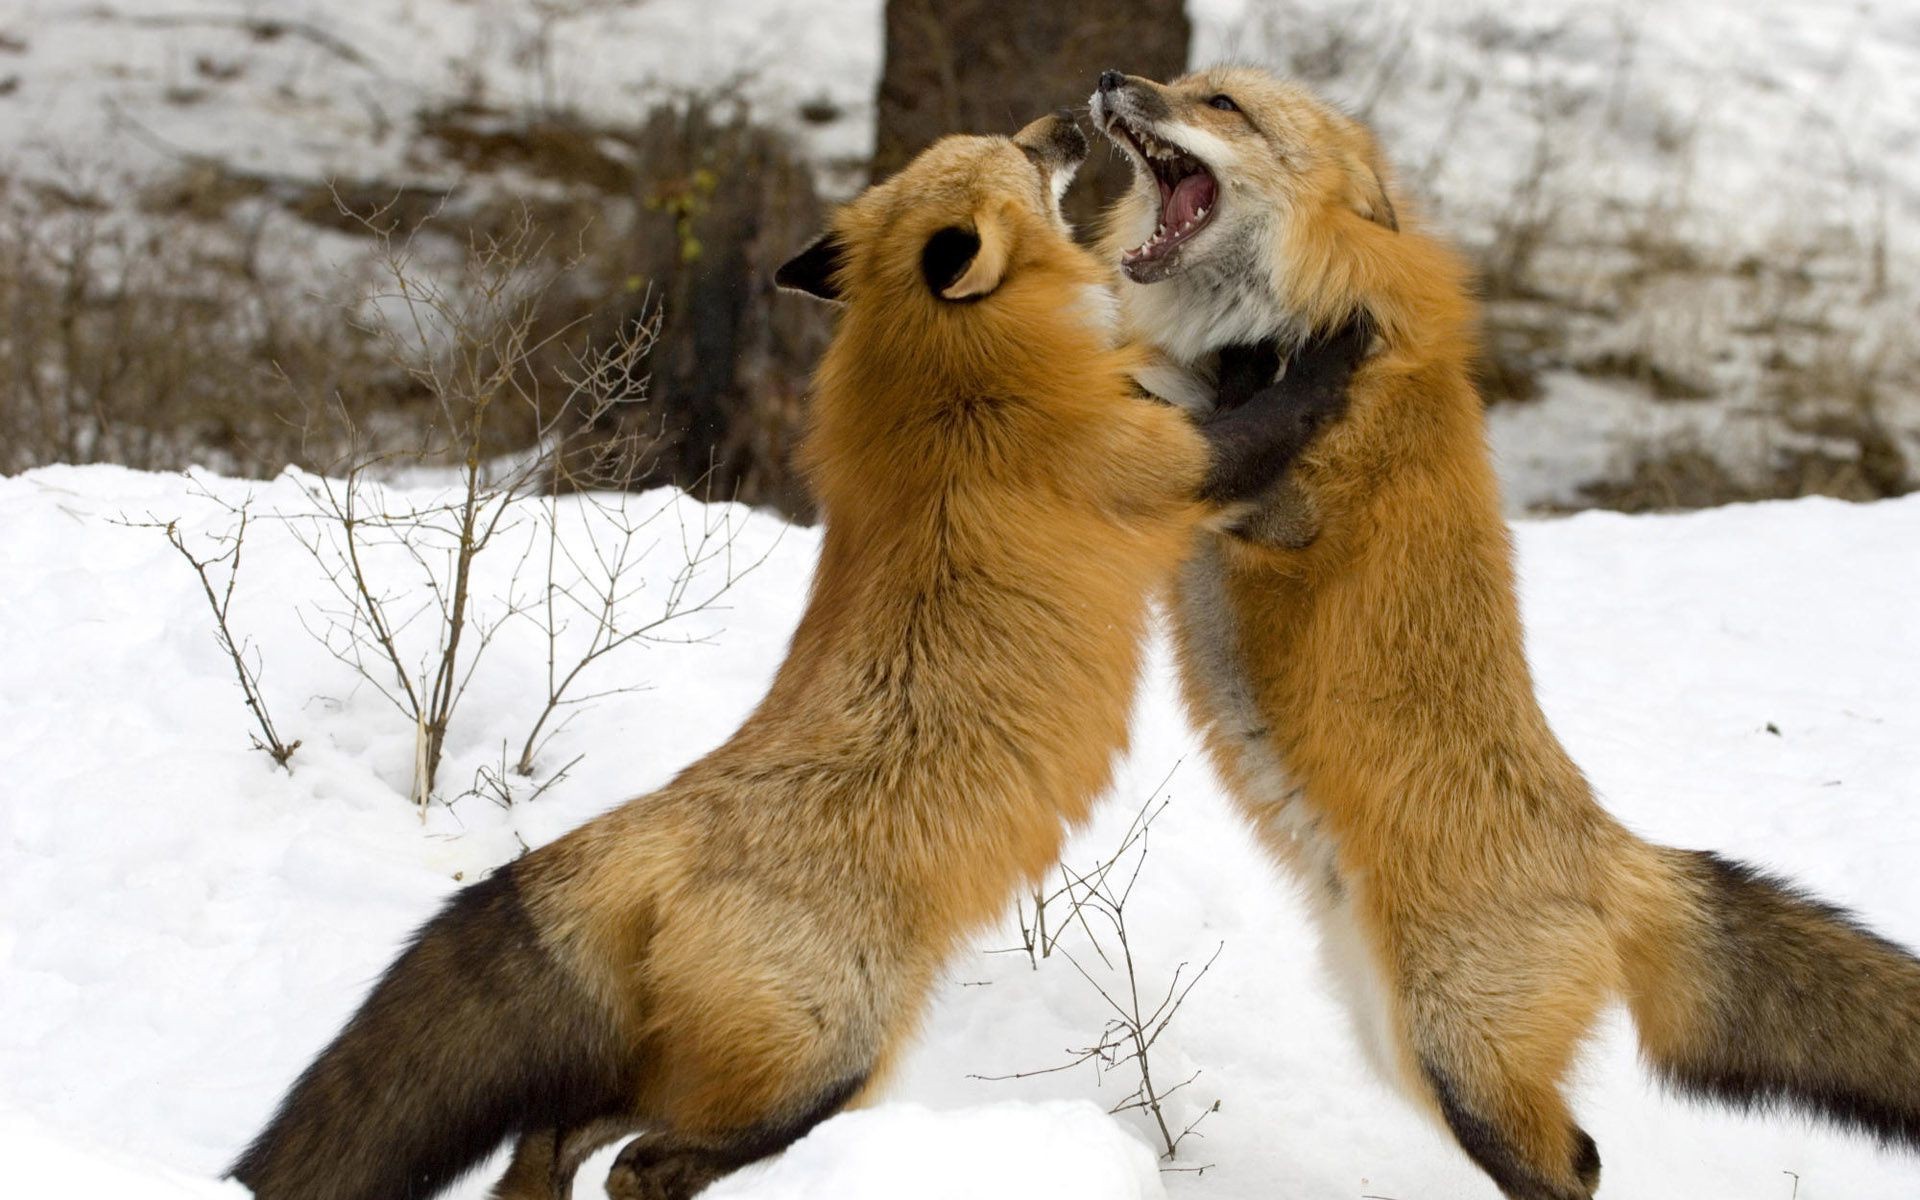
(219, 595)
(1096, 901)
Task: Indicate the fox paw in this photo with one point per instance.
(659, 1167)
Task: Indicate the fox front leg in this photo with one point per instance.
(1254, 441)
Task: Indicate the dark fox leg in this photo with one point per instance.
(533, 1173)
(1759, 996)
(1494, 1009)
(1522, 1137)
(475, 1033)
(546, 1160)
(669, 1166)
(1254, 437)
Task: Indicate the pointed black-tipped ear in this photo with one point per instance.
(813, 270)
(967, 264)
(946, 257)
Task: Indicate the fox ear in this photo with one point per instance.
(815, 269)
(963, 264)
(1370, 198)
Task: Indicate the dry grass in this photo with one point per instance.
(163, 348)
(160, 338)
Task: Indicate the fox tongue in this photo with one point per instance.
(1188, 197)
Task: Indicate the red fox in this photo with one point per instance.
(731, 959)
(1353, 654)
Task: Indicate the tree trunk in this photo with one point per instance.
(987, 66)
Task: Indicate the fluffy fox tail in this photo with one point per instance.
(1760, 996)
(473, 1034)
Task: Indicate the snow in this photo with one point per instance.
(182, 925)
(311, 89)
(1063, 1150)
(43, 1163)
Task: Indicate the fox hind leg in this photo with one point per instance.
(1522, 1137)
(756, 1038)
(546, 1160)
(531, 1173)
(1491, 1017)
(673, 1166)
(661, 1167)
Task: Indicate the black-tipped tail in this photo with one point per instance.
(473, 1034)
(1769, 998)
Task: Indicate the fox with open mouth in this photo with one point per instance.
(1235, 182)
(730, 959)
(1355, 660)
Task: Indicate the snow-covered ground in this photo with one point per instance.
(182, 925)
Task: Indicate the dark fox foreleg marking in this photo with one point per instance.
(1253, 440)
(669, 1166)
(1493, 1005)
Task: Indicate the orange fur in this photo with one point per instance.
(1363, 687)
(744, 950)
(998, 503)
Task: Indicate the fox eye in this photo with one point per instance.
(1224, 103)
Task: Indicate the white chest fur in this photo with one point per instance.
(1283, 814)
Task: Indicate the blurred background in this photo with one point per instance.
(1693, 219)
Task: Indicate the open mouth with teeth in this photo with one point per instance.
(1188, 196)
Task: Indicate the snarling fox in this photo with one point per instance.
(1353, 653)
(729, 960)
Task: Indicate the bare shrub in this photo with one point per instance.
(482, 343)
(218, 570)
(597, 592)
(118, 319)
(686, 215)
(1093, 905)
(467, 346)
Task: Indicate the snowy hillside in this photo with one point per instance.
(307, 88)
(182, 924)
(1696, 220)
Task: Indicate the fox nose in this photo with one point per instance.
(1111, 81)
